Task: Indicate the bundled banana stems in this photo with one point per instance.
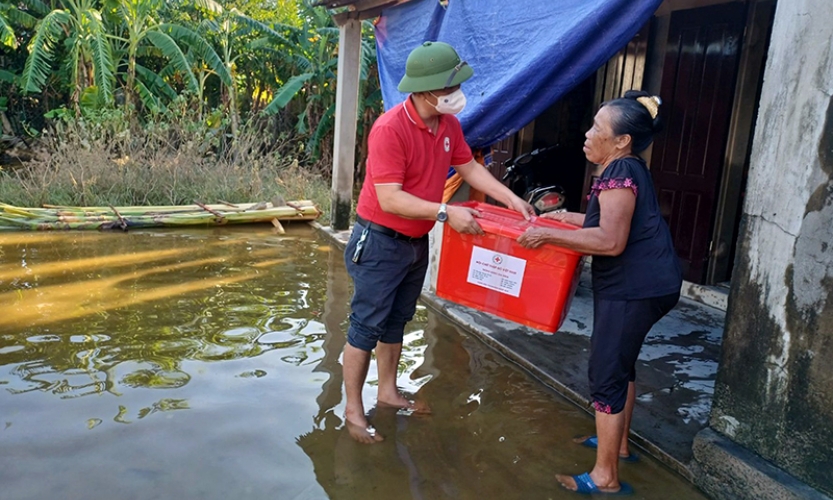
(57, 217)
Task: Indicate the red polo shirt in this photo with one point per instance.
(402, 150)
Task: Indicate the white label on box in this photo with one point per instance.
(496, 271)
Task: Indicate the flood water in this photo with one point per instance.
(205, 364)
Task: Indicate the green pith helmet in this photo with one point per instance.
(434, 66)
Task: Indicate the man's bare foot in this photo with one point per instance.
(401, 402)
(364, 435)
(361, 430)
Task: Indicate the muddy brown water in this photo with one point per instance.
(206, 364)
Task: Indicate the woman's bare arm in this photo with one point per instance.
(609, 239)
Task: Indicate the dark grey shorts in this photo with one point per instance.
(387, 283)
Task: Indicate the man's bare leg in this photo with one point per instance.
(356, 364)
(387, 365)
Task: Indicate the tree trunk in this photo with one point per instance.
(235, 120)
(232, 93)
(131, 79)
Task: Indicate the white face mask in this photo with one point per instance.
(450, 104)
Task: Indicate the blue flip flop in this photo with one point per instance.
(590, 442)
(586, 486)
(593, 442)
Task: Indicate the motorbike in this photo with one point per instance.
(522, 179)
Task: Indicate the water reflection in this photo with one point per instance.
(206, 364)
(336, 311)
(81, 308)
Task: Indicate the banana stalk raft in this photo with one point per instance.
(52, 217)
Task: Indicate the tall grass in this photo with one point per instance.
(174, 160)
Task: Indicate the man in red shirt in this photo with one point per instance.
(410, 149)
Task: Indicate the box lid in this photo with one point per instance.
(511, 224)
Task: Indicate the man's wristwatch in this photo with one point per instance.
(442, 213)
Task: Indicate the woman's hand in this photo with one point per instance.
(519, 205)
(572, 218)
(534, 237)
(464, 220)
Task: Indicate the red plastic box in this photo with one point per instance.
(493, 273)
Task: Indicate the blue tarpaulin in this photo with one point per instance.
(526, 54)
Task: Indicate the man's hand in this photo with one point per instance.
(482, 180)
(534, 237)
(464, 220)
(519, 205)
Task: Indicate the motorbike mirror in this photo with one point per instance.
(548, 202)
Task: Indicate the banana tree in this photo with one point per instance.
(138, 30)
(307, 62)
(201, 57)
(89, 56)
(234, 33)
(305, 66)
(18, 14)
(7, 36)
(311, 59)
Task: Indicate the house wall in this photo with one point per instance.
(774, 393)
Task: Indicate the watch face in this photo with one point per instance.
(442, 216)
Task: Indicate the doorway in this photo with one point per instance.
(699, 75)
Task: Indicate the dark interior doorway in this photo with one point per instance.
(698, 88)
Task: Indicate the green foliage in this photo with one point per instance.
(7, 36)
(174, 54)
(41, 50)
(13, 14)
(287, 92)
(131, 66)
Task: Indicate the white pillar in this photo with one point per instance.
(347, 104)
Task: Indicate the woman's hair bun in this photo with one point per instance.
(651, 103)
(638, 115)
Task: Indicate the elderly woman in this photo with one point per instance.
(636, 274)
